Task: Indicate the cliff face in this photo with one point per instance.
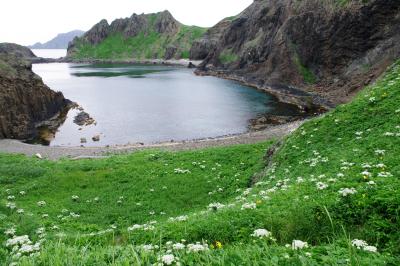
(319, 47)
(145, 36)
(25, 101)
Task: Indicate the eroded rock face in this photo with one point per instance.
(166, 24)
(202, 47)
(25, 101)
(321, 48)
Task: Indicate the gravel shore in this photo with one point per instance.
(53, 153)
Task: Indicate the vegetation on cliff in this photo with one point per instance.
(328, 195)
(151, 36)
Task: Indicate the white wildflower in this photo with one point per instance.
(41, 203)
(358, 243)
(10, 231)
(298, 244)
(215, 206)
(380, 152)
(181, 171)
(197, 247)
(347, 191)
(384, 174)
(321, 186)
(261, 233)
(168, 259)
(248, 206)
(75, 198)
(366, 174)
(371, 249)
(18, 240)
(178, 246)
(11, 205)
(179, 218)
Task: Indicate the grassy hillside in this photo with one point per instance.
(332, 185)
(143, 46)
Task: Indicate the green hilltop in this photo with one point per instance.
(150, 36)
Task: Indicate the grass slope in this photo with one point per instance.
(334, 180)
(143, 46)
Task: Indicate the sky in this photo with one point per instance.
(29, 21)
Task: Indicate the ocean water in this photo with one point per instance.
(149, 103)
(50, 53)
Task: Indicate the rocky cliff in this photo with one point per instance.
(146, 36)
(310, 49)
(25, 101)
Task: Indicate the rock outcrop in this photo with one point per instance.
(25, 101)
(319, 49)
(208, 42)
(145, 36)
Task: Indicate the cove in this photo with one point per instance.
(150, 103)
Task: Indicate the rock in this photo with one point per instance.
(202, 47)
(166, 24)
(96, 138)
(83, 140)
(83, 119)
(305, 44)
(38, 155)
(170, 52)
(25, 101)
(191, 65)
(16, 50)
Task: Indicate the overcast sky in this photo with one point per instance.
(29, 21)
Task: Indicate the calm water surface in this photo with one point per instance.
(50, 53)
(142, 103)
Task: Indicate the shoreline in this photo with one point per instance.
(58, 152)
(310, 103)
(169, 62)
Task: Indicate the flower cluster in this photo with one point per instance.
(145, 227)
(262, 233)
(361, 244)
(298, 244)
(347, 191)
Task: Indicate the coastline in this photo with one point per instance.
(170, 62)
(58, 152)
(310, 103)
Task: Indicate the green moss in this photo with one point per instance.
(185, 54)
(6, 69)
(227, 57)
(231, 18)
(307, 74)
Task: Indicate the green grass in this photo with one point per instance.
(335, 149)
(150, 45)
